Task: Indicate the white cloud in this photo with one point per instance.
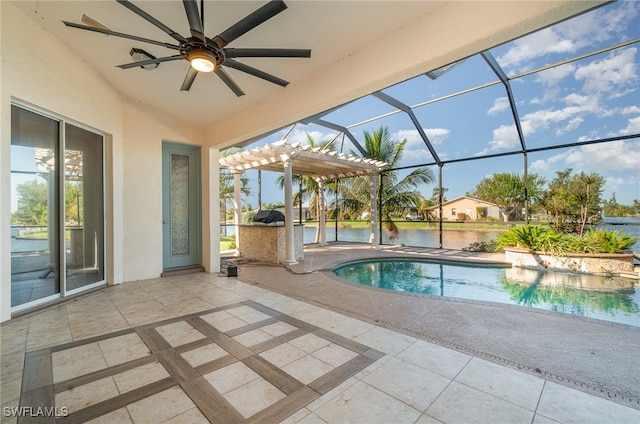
(567, 37)
(629, 110)
(412, 137)
(568, 118)
(551, 79)
(572, 125)
(540, 167)
(617, 69)
(619, 156)
(537, 44)
(435, 135)
(633, 127)
(300, 136)
(504, 137)
(499, 104)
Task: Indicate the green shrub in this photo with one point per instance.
(247, 218)
(601, 241)
(546, 240)
(528, 237)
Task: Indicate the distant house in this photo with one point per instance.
(466, 208)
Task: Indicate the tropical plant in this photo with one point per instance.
(227, 188)
(309, 187)
(546, 240)
(529, 237)
(609, 241)
(395, 194)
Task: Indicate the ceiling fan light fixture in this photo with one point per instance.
(202, 61)
(138, 55)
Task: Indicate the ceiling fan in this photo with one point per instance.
(208, 54)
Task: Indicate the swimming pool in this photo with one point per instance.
(600, 297)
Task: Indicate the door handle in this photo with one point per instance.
(164, 221)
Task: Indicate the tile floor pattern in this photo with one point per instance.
(199, 348)
(239, 363)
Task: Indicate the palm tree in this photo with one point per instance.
(309, 187)
(227, 190)
(396, 194)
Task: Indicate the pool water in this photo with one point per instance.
(607, 298)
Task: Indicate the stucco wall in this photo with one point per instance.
(142, 192)
(466, 206)
(38, 71)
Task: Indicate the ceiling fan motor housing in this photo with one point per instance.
(196, 48)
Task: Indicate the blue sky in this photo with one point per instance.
(593, 98)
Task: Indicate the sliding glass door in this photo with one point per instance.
(84, 215)
(57, 208)
(35, 229)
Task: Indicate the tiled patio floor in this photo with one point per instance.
(200, 347)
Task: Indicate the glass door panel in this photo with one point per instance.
(84, 209)
(35, 229)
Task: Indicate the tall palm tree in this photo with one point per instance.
(396, 194)
(227, 190)
(309, 187)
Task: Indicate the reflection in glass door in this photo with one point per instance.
(35, 229)
(57, 219)
(84, 216)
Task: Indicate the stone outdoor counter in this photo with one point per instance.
(267, 243)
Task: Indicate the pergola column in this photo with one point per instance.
(290, 257)
(373, 188)
(322, 222)
(237, 205)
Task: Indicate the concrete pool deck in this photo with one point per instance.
(594, 356)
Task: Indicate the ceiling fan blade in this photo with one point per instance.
(255, 72)
(135, 9)
(249, 22)
(150, 61)
(231, 52)
(224, 76)
(120, 34)
(188, 79)
(195, 23)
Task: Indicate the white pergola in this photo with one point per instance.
(321, 164)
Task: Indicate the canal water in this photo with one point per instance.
(452, 239)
